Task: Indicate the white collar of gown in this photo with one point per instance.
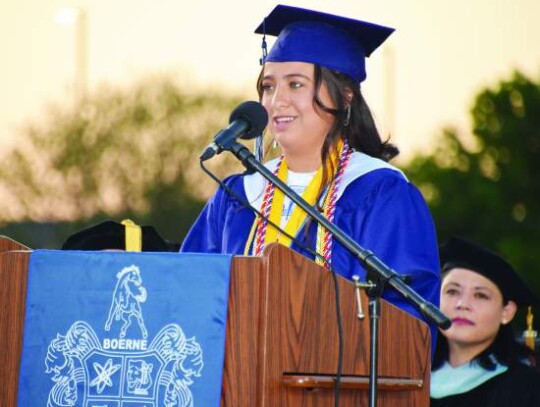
(359, 164)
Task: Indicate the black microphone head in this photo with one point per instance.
(255, 114)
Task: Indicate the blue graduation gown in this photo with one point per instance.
(377, 207)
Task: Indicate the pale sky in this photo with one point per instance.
(424, 77)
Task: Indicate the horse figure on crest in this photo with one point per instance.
(127, 298)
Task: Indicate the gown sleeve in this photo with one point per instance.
(224, 223)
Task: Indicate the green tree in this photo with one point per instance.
(119, 153)
(486, 187)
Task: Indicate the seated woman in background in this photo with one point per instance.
(478, 361)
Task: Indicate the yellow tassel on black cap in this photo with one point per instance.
(133, 236)
(530, 334)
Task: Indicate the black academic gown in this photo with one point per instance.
(519, 386)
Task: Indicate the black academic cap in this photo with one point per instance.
(337, 43)
(459, 252)
(109, 235)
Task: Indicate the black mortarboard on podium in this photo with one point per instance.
(111, 235)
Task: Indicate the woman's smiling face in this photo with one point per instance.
(288, 90)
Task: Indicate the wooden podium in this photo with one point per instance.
(281, 340)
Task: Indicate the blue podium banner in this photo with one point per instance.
(119, 329)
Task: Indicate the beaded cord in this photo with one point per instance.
(266, 205)
(324, 238)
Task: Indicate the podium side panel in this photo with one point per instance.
(13, 281)
(244, 342)
(303, 337)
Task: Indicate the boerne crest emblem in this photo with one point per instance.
(125, 367)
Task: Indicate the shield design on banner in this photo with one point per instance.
(123, 371)
(112, 377)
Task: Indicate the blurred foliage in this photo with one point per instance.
(486, 187)
(117, 154)
(133, 153)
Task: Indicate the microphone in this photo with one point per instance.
(247, 121)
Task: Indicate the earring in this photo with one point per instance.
(274, 144)
(347, 116)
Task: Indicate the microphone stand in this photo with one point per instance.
(377, 270)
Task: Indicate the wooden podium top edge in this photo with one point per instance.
(8, 244)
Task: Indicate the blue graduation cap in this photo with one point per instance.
(337, 43)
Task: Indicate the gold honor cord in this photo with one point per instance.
(298, 215)
(269, 233)
(133, 236)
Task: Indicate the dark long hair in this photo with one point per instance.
(360, 132)
(505, 348)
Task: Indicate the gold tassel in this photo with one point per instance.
(530, 334)
(133, 236)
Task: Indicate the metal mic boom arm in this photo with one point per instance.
(366, 257)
